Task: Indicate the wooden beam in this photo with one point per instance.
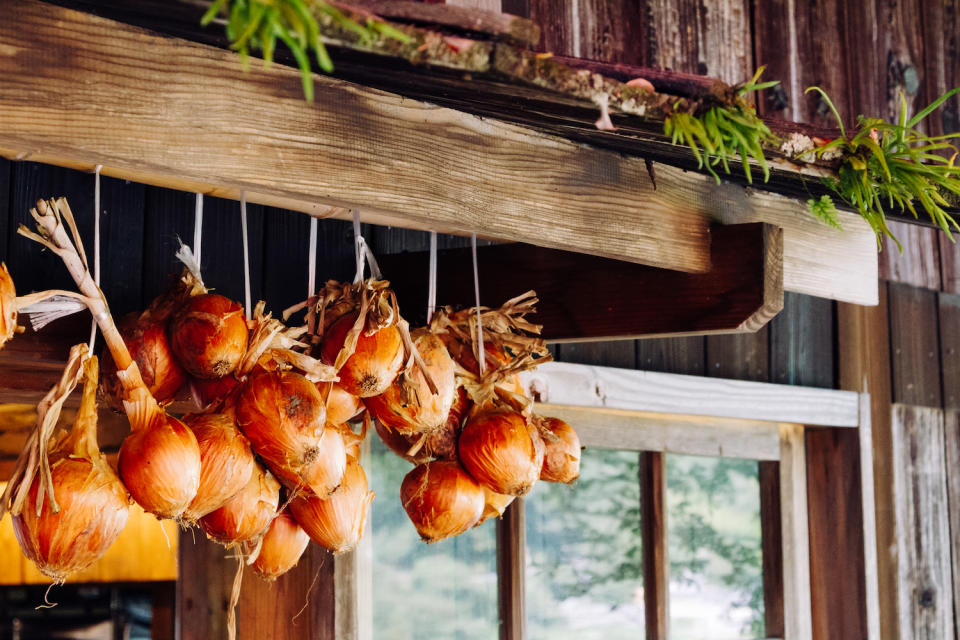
(629, 390)
(656, 563)
(470, 17)
(590, 298)
(402, 162)
(511, 572)
(922, 523)
(796, 542)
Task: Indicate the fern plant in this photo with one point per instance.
(257, 25)
(886, 166)
(725, 131)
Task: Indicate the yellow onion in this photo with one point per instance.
(226, 461)
(336, 522)
(561, 456)
(246, 514)
(160, 459)
(441, 499)
(92, 504)
(407, 406)
(281, 548)
(502, 451)
(438, 445)
(212, 393)
(282, 414)
(209, 336)
(376, 359)
(494, 505)
(8, 306)
(149, 348)
(341, 404)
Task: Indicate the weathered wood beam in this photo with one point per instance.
(589, 298)
(174, 111)
(364, 149)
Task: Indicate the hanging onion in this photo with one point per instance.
(209, 335)
(226, 461)
(149, 348)
(342, 405)
(212, 393)
(90, 505)
(561, 457)
(336, 522)
(494, 505)
(282, 414)
(246, 514)
(8, 306)
(502, 451)
(376, 359)
(281, 548)
(437, 445)
(441, 499)
(407, 406)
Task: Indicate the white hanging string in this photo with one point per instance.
(362, 252)
(482, 354)
(197, 228)
(246, 252)
(432, 278)
(96, 247)
(312, 259)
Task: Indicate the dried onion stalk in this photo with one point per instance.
(146, 339)
(68, 505)
(441, 499)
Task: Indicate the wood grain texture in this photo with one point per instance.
(838, 587)
(586, 297)
(672, 355)
(163, 611)
(949, 322)
(741, 357)
(622, 389)
(796, 543)
(951, 439)
(868, 501)
(913, 343)
(360, 140)
(654, 546)
(771, 545)
(460, 15)
(863, 364)
(801, 342)
(511, 572)
(922, 520)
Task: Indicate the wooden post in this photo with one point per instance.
(771, 542)
(796, 544)
(511, 568)
(656, 566)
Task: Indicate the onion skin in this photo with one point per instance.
(282, 414)
(407, 406)
(341, 404)
(93, 511)
(212, 393)
(248, 513)
(561, 457)
(160, 465)
(336, 523)
(150, 349)
(322, 475)
(439, 445)
(226, 462)
(8, 306)
(502, 451)
(441, 499)
(282, 547)
(494, 505)
(209, 336)
(375, 362)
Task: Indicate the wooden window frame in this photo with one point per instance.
(658, 413)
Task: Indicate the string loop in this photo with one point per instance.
(312, 259)
(246, 253)
(96, 248)
(362, 253)
(432, 278)
(197, 228)
(481, 352)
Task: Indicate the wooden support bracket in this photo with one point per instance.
(590, 298)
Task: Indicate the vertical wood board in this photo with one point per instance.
(771, 543)
(796, 543)
(654, 546)
(801, 342)
(914, 346)
(951, 439)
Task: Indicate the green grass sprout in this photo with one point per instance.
(893, 166)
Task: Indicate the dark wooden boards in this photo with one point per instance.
(654, 546)
(771, 546)
(914, 345)
(588, 298)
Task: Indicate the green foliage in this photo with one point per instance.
(724, 131)
(825, 211)
(256, 25)
(888, 165)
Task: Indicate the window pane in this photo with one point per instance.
(584, 566)
(713, 531)
(443, 590)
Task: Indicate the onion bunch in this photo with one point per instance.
(281, 547)
(67, 503)
(441, 499)
(226, 461)
(209, 336)
(8, 305)
(561, 459)
(248, 513)
(336, 522)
